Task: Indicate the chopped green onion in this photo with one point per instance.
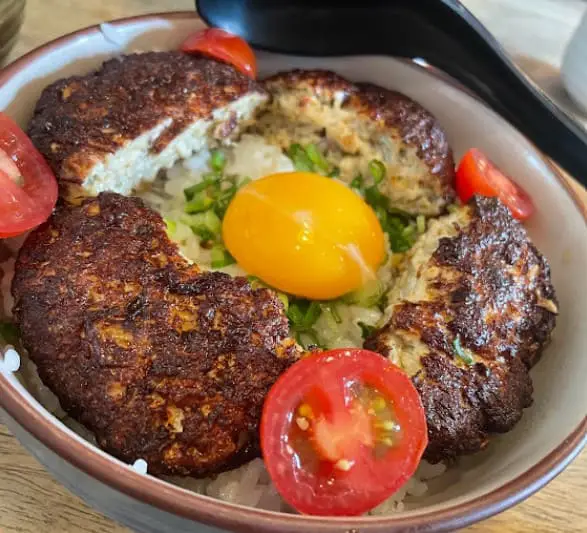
(284, 299)
(366, 329)
(295, 314)
(452, 208)
(462, 353)
(357, 182)
(421, 223)
(217, 160)
(190, 192)
(200, 202)
(377, 170)
(300, 158)
(369, 295)
(334, 173)
(9, 332)
(220, 257)
(205, 225)
(317, 158)
(312, 314)
(170, 226)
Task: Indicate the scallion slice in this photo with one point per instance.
(300, 158)
(357, 183)
(317, 158)
(217, 160)
(170, 226)
(421, 223)
(199, 202)
(377, 170)
(220, 257)
(462, 353)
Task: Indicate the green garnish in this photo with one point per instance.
(190, 192)
(357, 183)
(377, 170)
(220, 257)
(217, 161)
(310, 159)
(170, 226)
(462, 353)
(366, 329)
(9, 332)
(421, 223)
(300, 158)
(302, 315)
(206, 225)
(199, 202)
(317, 158)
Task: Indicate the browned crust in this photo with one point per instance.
(390, 110)
(129, 337)
(495, 305)
(79, 120)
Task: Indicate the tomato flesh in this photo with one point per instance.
(224, 46)
(476, 174)
(341, 431)
(28, 188)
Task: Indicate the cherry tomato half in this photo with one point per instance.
(28, 188)
(476, 174)
(224, 46)
(341, 431)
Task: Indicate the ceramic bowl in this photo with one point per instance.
(515, 465)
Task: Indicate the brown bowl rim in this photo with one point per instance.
(221, 514)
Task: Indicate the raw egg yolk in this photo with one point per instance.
(304, 234)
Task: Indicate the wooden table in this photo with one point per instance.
(535, 31)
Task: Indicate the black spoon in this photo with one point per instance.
(442, 32)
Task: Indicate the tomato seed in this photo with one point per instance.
(302, 423)
(343, 464)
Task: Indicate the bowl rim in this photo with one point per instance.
(172, 499)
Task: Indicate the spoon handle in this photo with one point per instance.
(470, 54)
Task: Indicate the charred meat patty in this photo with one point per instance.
(160, 360)
(467, 319)
(355, 123)
(116, 127)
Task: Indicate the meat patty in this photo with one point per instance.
(159, 360)
(468, 317)
(117, 127)
(358, 122)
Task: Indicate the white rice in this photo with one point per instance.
(250, 484)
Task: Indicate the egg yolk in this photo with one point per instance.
(304, 234)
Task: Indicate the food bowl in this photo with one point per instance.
(550, 434)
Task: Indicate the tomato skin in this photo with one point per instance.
(476, 174)
(23, 206)
(326, 490)
(224, 46)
